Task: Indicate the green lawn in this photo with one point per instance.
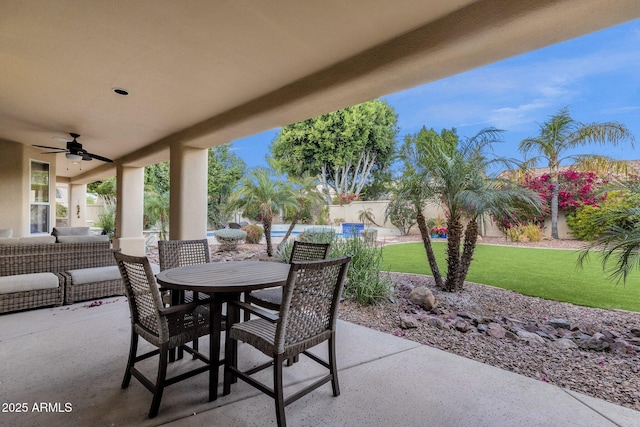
(545, 273)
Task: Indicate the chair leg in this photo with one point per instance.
(292, 360)
(133, 349)
(278, 392)
(162, 374)
(333, 366)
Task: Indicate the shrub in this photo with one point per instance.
(229, 238)
(61, 210)
(366, 283)
(318, 235)
(401, 213)
(524, 233)
(254, 233)
(589, 222)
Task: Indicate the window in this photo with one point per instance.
(39, 205)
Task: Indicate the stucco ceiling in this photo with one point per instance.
(202, 73)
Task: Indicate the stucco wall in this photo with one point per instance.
(351, 212)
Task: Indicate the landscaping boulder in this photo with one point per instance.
(423, 297)
(407, 321)
(496, 330)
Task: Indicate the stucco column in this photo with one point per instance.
(188, 198)
(77, 205)
(130, 210)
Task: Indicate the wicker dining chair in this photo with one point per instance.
(307, 318)
(178, 253)
(272, 298)
(165, 328)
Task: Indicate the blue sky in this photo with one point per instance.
(597, 76)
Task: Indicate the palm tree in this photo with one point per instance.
(260, 192)
(457, 178)
(562, 133)
(620, 243)
(156, 210)
(307, 195)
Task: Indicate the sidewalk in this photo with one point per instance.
(76, 355)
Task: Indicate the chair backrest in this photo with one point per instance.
(234, 225)
(307, 251)
(310, 301)
(177, 253)
(142, 294)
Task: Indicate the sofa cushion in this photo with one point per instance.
(70, 231)
(6, 233)
(28, 240)
(76, 239)
(28, 282)
(93, 275)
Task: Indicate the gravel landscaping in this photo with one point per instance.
(592, 351)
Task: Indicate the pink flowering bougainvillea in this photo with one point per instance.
(575, 189)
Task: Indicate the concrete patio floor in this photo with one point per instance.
(72, 359)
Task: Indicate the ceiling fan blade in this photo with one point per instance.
(54, 152)
(104, 159)
(62, 150)
(85, 156)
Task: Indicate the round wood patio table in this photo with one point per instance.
(223, 281)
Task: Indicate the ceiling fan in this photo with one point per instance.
(74, 151)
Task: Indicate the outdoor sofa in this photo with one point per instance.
(68, 266)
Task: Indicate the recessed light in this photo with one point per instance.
(120, 91)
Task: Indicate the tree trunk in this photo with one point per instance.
(454, 236)
(553, 172)
(266, 221)
(294, 221)
(426, 241)
(470, 241)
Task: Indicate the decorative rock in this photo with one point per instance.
(466, 315)
(408, 322)
(510, 335)
(436, 322)
(559, 324)
(531, 338)
(550, 331)
(462, 325)
(593, 343)
(423, 297)
(620, 346)
(482, 328)
(635, 331)
(496, 330)
(565, 344)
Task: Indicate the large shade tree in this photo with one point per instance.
(225, 170)
(561, 134)
(262, 192)
(440, 169)
(343, 148)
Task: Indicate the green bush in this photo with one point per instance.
(318, 235)
(107, 220)
(228, 238)
(589, 222)
(401, 213)
(254, 233)
(61, 210)
(366, 283)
